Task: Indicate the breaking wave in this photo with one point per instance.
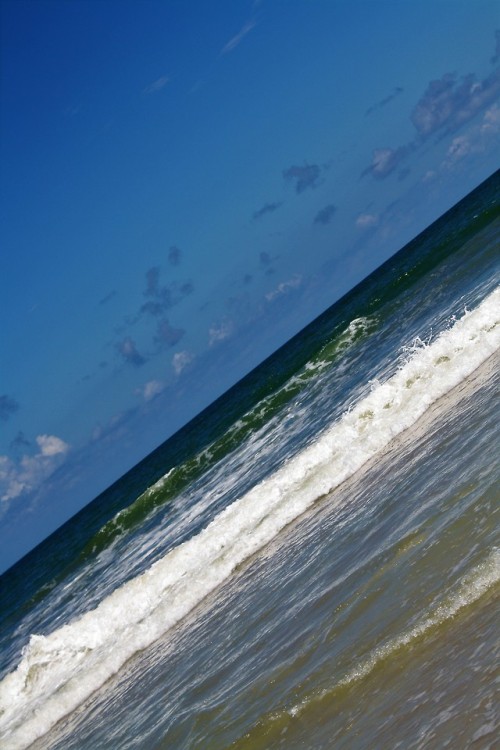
(59, 671)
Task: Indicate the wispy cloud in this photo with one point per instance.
(152, 282)
(386, 160)
(267, 208)
(174, 255)
(220, 331)
(306, 176)
(128, 350)
(20, 441)
(108, 297)
(285, 287)
(325, 215)
(166, 335)
(238, 38)
(383, 102)
(155, 86)
(366, 221)
(113, 430)
(163, 297)
(8, 407)
(430, 175)
(496, 56)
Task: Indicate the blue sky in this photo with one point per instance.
(185, 185)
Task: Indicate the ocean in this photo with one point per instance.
(313, 561)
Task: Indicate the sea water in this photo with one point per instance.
(312, 562)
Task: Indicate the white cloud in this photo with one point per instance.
(477, 140)
(26, 475)
(219, 332)
(181, 360)
(364, 221)
(386, 160)
(381, 159)
(50, 445)
(284, 288)
(491, 120)
(151, 389)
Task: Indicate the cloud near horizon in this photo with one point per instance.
(20, 477)
(475, 140)
(285, 287)
(446, 105)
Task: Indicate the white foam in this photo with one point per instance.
(59, 671)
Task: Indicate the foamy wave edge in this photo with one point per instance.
(59, 671)
(472, 587)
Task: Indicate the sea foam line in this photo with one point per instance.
(59, 671)
(480, 580)
(472, 587)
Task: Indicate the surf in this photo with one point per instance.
(59, 671)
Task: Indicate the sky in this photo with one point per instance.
(185, 185)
